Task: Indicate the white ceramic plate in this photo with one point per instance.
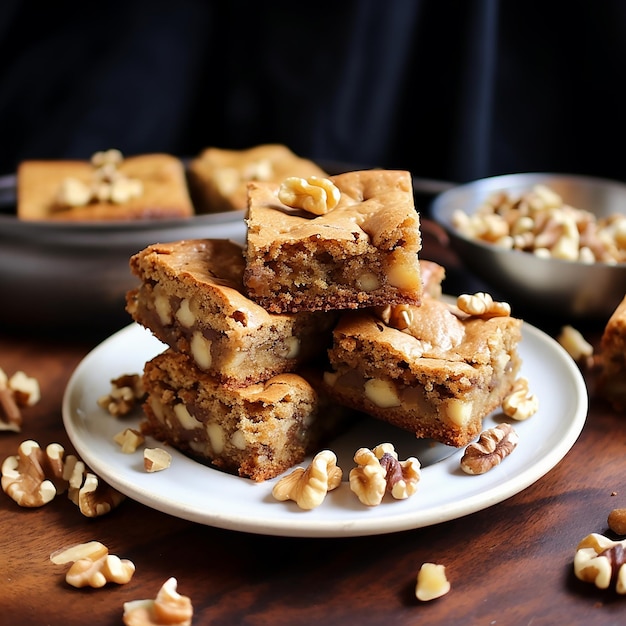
(193, 491)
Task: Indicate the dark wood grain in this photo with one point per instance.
(510, 564)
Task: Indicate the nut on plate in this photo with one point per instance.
(156, 459)
(169, 607)
(379, 471)
(308, 487)
(492, 447)
(126, 393)
(519, 404)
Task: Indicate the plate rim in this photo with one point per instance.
(360, 524)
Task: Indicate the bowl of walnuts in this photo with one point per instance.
(554, 243)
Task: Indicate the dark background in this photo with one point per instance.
(450, 89)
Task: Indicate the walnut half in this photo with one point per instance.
(379, 471)
(492, 447)
(169, 607)
(601, 561)
(308, 487)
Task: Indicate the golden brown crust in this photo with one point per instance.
(191, 298)
(164, 195)
(439, 384)
(362, 253)
(257, 431)
(219, 177)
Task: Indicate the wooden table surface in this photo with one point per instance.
(509, 564)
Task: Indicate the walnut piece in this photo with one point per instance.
(576, 345)
(379, 471)
(313, 194)
(519, 404)
(156, 459)
(96, 498)
(169, 607)
(107, 183)
(492, 447)
(617, 521)
(93, 566)
(538, 221)
(482, 305)
(34, 476)
(16, 392)
(431, 582)
(126, 393)
(601, 561)
(129, 440)
(308, 487)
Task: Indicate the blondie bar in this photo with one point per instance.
(437, 374)
(148, 186)
(190, 297)
(218, 178)
(361, 253)
(256, 431)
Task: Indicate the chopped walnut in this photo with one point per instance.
(33, 477)
(492, 447)
(617, 521)
(601, 561)
(126, 393)
(308, 487)
(93, 566)
(156, 459)
(169, 607)
(129, 440)
(96, 498)
(107, 184)
(538, 221)
(16, 392)
(378, 471)
(431, 582)
(482, 305)
(576, 345)
(313, 194)
(519, 404)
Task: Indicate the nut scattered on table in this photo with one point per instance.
(169, 607)
(314, 194)
(93, 566)
(33, 477)
(601, 561)
(576, 345)
(308, 487)
(126, 393)
(519, 404)
(617, 521)
(16, 392)
(492, 447)
(432, 582)
(379, 471)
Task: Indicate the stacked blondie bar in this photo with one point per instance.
(327, 312)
